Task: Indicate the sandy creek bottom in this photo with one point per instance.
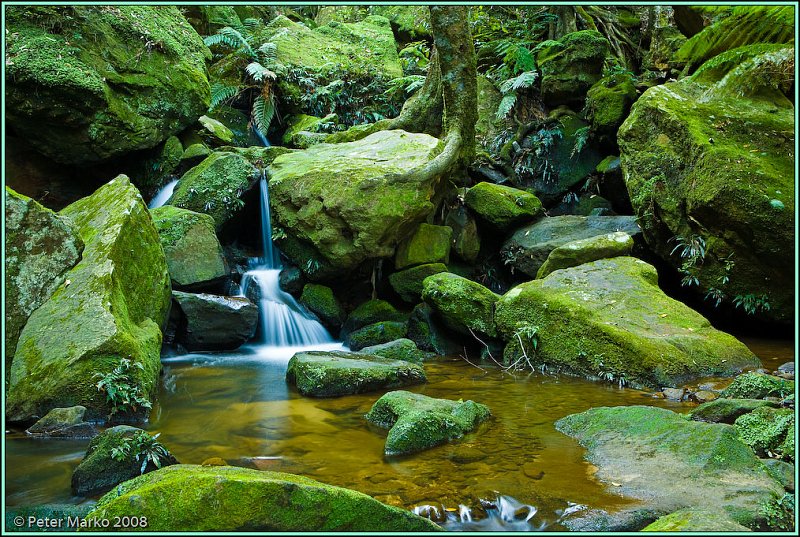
(238, 407)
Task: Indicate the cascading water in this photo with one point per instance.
(163, 195)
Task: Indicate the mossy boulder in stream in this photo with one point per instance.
(40, 247)
(335, 373)
(501, 206)
(194, 254)
(571, 66)
(609, 319)
(106, 80)
(583, 251)
(670, 463)
(408, 283)
(399, 349)
(321, 301)
(375, 334)
(344, 200)
(428, 244)
(417, 422)
(463, 305)
(727, 410)
(758, 386)
(369, 312)
(213, 322)
(63, 423)
(709, 159)
(113, 309)
(227, 498)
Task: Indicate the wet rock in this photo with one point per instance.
(399, 349)
(291, 280)
(583, 251)
(694, 519)
(782, 471)
(758, 386)
(703, 396)
(786, 371)
(428, 244)
(214, 322)
(466, 241)
(727, 410)
(320, 300)
(215, 132)
(608, 102)
(214, 461)
(502, 207)
(408, 283)
(417, 422)
(371, 312)
(674, 394)
(571, 66)
(583, 205)
(462, 304)
(64, 423)
(376, 334)
(335, 373)
(428, 334)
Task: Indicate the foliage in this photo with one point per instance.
(581, 138)
(772, 70)
(414, 58)
(692, 249)
(533, 157)
(407, 85)
(779, 514)
(752, 304)
(141, 446)
(122, 392)
(509, 89)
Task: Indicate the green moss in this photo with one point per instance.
(768, 430)
(322, 302)
(583, 251)
(609, 101)
(428, 244)
(758, 386)
(375, 334)
(303, 123)
(502, 206)
(399, 349)
(694, 519)
(608, 164)
(370, 312)
(462, 304)
(571, 66)
(408, 283)
(720, 65)
(216, 132)
(726, 410)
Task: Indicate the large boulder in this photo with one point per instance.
(178, 498)
(528, 248)
(321, 301)
(463, 305)
(342, 200)
(40, 247)
(609, 319)
(769, 431)
(370, 312)
(335, 373)
(669, 463)
(755, 385)
(696, 519)
(709, 160)
(502, 207)
(408, 283)
(428, 244)
(399, 349)
(417, 422)
(609, 101)
(213, 322)
(376, 334)
(583, 251)
(194, 254)
(105, 80)
(571, 66)
(112, 310)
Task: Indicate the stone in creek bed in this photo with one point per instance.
(786, 371)
(674, 394)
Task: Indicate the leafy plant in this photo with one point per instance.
(581, 138)
(751, 303)
(141, 447)
(122, 392)
(692, 249)
(509, 89)
(414, 58)
(407, 84)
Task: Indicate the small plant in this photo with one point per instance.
(692, 249)
(141, 447)
(752, 304)
(509, 89)
(715, 295)
(526, 334)
(122, 392)
(581, 138)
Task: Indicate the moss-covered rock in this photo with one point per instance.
(768, 431)
(40, 247)
(417, 422)
(428, 244)
(371, 312)
(321, 301)
(114, 456)
(215, 132)
(213, 322)
(409, 23)
(112, 309)
(426, 331)
(695, 519)
(462, 304)
(64, 423)
(609, 319)
(195, 154)
(375, 334)
(331, 374)
(726, 410)
(571, 66)
(304, 131)
(609, 101)
(466, 241)
(488, 126)
(705, 160)
(671, 463)
(215, 186)
(530, 246)
(52, 511)
(194, 254)
(399, 349)
(758, 386)
(408, 283)
(106, 80)
(502, 206)
(782, 471)
(583, 251)
(341, 199)
(177, 498)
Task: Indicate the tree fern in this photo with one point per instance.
(263, 112)
(221, 93)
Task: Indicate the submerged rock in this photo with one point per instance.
(106, 80)
(399, 349)
(40, 247)
(671, 463)
(177, 498)
(321, 301)
(344, 202)
(117, 455)
(417, 422)
(112, 309)
(335, 373)
(462, 304)
(214, 322)
(502, 206)
(408, 283)
(65, 423)
(609, 319)
(583, 251)
(428, 244)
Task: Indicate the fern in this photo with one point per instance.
(268, 52)
(221, 93)
(263, 112)
(408, 84)
(251, 25)
(506, 105)
(232, 38)
(509, 89)
(581, 138)
(259, 73)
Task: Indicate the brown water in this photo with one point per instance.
(239, 408)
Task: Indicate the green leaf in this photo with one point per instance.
(263, 112)
(506, 105)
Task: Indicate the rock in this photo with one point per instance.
(704, 162)
(758, 386)
(194, 155)
(426, 332)
(583, 251)
(194, 254)
(40, 247)
(409, 23)
(215, 186)
(674, 394)
(100, 470)
(214, 461)
(583, 205)
(466, 242)
(703, 396)
(375, 334)
(340, 199)
(291, 280)
(51, 511)
(528, 248)
(694, 519)
(417, 422)
(785, 370)
(303, 130)
(609, 319)
(571, 66)
(408, 283)
(769, 431)
(177, 499)
(782, 471)
(370, 312)
(608, 102)
(463, 305)
(64, 422)
(216, 132)
(671, 463)
(214, 322)
(726, 410)
(112, 309)
(320, 300)
(335, 373)
(612, 185)
(502, 207)
(399, 349)
(95, 76)
(488, 126)
(428, 244)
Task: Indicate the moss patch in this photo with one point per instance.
(462, 304)
(583, 251)
(408, 283)
(502, 206)
(428, 244)
(322, 302)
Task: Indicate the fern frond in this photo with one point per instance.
(232, 38)
(251, 24)
(258, 72)
(263, 112)
(221, 93)
(220, 39)
(268, 52)
(506, 105)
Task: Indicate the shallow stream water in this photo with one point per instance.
(239, 407)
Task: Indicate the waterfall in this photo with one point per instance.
(163, 195)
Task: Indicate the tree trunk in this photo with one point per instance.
(566, 24)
